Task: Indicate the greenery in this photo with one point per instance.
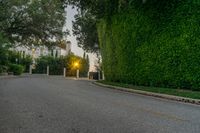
(56, 65)
(142, 42)
(4, 47)
(85, 66)
(3, 69)
(32, 22)
(20, 58)
(153, 52)
(11, 66)
(84, 28)
(8, 57)
(16, 69)
(3, 51)
(148, 43)
(169, 91)
(27, 23)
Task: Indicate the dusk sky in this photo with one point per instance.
(75, 49)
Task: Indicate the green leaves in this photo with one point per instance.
(32, 22)
(56, 65)
(84, 28)
(143, 42)
(159, 49)
(4, 46)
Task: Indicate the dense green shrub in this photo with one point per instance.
(4, 46)
(26, 62)
(153, 45)
(3, 69)
(16, 69)
(83, 65)
(56, 65)
(15, 57)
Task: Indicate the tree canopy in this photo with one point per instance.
(32, 21)
(145, 42)
(90, 12)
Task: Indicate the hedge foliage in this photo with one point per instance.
(15, 57)
(8, 57)
(153, 45)
(16, 69)
(57, 65)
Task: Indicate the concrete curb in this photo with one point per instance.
(12, 76)
(165, 96)
(7, 77)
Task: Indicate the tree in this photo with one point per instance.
(84, 65)
(85, 24)
(4, 46)
(70, 64)
(98, 64)
(87, 63)
(32, 21)
(84, 28)
(98, 8)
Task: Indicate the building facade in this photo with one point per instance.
(35, 52)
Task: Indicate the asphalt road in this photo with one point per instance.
(40, 104)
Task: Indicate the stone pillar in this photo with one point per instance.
(30, 69)
(77, 73)
(64, 72)
(88, 75)
(47, 70)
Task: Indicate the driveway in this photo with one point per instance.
(41, 104)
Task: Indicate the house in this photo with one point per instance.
(63, 49)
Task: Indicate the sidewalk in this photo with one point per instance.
(165, 96)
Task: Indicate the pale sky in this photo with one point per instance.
(75, 49)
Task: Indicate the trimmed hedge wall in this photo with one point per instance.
(153, 45)
(56, 65)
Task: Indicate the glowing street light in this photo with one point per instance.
(76, 64)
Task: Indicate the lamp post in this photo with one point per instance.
(77, 70)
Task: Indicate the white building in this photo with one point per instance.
(37, 51)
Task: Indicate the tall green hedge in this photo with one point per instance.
(156, 45)
(56, 65)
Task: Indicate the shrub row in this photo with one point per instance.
(56, 65)
(16, 69)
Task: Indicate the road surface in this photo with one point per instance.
(41, 104)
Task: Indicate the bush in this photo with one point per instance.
(3, 69)
(26, 61)
(16, 69)
(56, 65)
